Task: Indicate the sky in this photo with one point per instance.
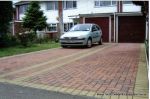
(14, 1)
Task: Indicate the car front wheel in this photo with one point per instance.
(89, 43)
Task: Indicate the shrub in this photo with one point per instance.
(7, 40)
(42, 40)
(26, 38)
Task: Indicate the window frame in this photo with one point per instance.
(123, 2)
(72, 6)
(68, 26)
(23, 8)
(54, 3)
(99, 3)
(52, 25)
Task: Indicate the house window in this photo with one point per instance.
(68, 26)
(69, 4)
(127, 2)
(52, 28)
(52, 5)
(23, 8)
(99, 3)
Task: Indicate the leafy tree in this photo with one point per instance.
(6, 14)
(34, 18)
(144, 5)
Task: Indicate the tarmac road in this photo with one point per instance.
(10, 91)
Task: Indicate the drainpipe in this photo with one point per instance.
(110, 28)
(146, 23)
(60, 14)
(121, 6)
(17, 12)
(114, 27)
(118, 6)
(13, 27)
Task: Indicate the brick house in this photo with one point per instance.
(121, 21)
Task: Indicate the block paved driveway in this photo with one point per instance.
(109, 71)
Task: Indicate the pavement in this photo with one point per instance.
(109, 71)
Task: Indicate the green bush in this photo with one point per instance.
(26, 38)
(44, 39)
(7, 40)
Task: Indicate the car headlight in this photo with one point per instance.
(61, 38)
(82, 37)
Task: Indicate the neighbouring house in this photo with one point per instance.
(121, 21)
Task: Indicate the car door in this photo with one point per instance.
(95, 34)
(99, 33)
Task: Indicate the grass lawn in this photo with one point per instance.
(19, 49)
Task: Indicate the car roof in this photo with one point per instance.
(88, 24)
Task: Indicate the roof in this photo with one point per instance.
(21, 3)
(107, 14)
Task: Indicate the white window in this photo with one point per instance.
(99, 3)
(127, 2)
(52, 5)
(69, 4)
(52, 28)
(23, 8)
(68, 26)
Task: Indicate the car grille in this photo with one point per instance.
(70, 38)
(72, 43)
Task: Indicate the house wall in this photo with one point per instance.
(83, 7)
(131, 8)
(87, 7)
(18, 27)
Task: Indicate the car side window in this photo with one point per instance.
(97, 28)
(94, 28)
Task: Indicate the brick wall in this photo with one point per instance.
(52, 35)
(18, 27)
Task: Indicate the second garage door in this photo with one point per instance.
(131, 29)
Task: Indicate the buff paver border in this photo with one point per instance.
(141, 84)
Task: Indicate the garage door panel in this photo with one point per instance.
(131, 29)
(103, 22)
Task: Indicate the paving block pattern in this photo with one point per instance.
(110, 71)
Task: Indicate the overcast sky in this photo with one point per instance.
(14, 1)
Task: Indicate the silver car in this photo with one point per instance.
(82, 35)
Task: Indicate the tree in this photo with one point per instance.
(6, 14)
(144, 6)
(34, 19)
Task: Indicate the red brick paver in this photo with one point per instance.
(15, 63)
(109, 71)
(101, 71)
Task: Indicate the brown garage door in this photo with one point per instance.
(103, 22)
(131, 29)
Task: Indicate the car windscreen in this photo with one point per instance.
(81, 27)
